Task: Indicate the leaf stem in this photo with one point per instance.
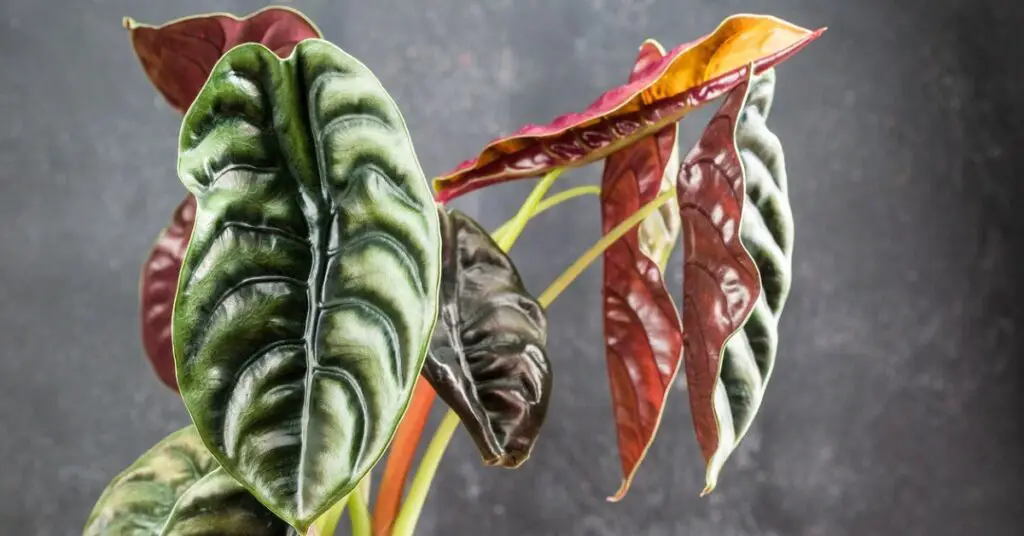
(529, 206)
(358, 513)
(406, 522)
(400, 458)
(327, 524)
(588, 257)
(551, 202)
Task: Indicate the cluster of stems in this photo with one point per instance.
(404, 524)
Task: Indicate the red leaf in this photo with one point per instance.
(158, 287)
(179, 55)
(662, 93)
(720, 279)
(643, 333)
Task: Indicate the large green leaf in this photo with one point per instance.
(488, 359)
(177, 489)
(308, 294)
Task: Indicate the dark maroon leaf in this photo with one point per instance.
(157, 288)
(487, 360)
(178, 56)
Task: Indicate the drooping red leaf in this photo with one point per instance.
(400, 455)
(684, 79)
(158, 286)
(721, 282)
(179, 55)
(643, 332)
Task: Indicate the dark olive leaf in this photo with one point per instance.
(157, 287)
(738, 246)
(177, 489)
(179, 55)
(308, 294)
(487, 360)
(643, 332)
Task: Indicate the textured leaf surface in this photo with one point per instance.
(158, 286)
(738, 245)
(308, 294)
(178, 56)
(488, 358)
(177, 489)
(685, 78)
(643, 332)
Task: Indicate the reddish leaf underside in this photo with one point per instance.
(643, 332)
(158, 286)
(179, 55)
(687, 77)
(720, 280)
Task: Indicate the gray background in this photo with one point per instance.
(893, 410)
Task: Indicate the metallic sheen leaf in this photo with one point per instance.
(177, 489)
(643, 332)
(687, 77)
(178, 56)
(157, 287)
(488, 358)
(309, 292)
(737, 246)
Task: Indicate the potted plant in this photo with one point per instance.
(312, 294)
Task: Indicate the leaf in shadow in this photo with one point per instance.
(177, 489)
(738, 242)
(158, 285)
(643, 332)
(488, 357)
(178, 56)
(687, 77)
(309, 291)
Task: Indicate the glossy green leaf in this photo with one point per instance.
(734, 290)
(177, 489)
(488, 359)
(308, 294)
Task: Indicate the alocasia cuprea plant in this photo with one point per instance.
(311, 297)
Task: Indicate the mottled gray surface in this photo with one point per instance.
(893, 410)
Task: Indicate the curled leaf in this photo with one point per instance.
(488, 357)
(685, 78)
(177, 489)
(158, 285)
(178, 56)
(308, 294)
(738, 245)
(643, 333)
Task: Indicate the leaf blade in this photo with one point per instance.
(157, 287)
(178, 56)
(687, 77)
(177, 489)
(309, 290)
(643, 331)
(730, 355)
(488, 358)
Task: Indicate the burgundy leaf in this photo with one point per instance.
(643, 333)
(178, 56)
(158, 286)
(721, 283)
(666, 90)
